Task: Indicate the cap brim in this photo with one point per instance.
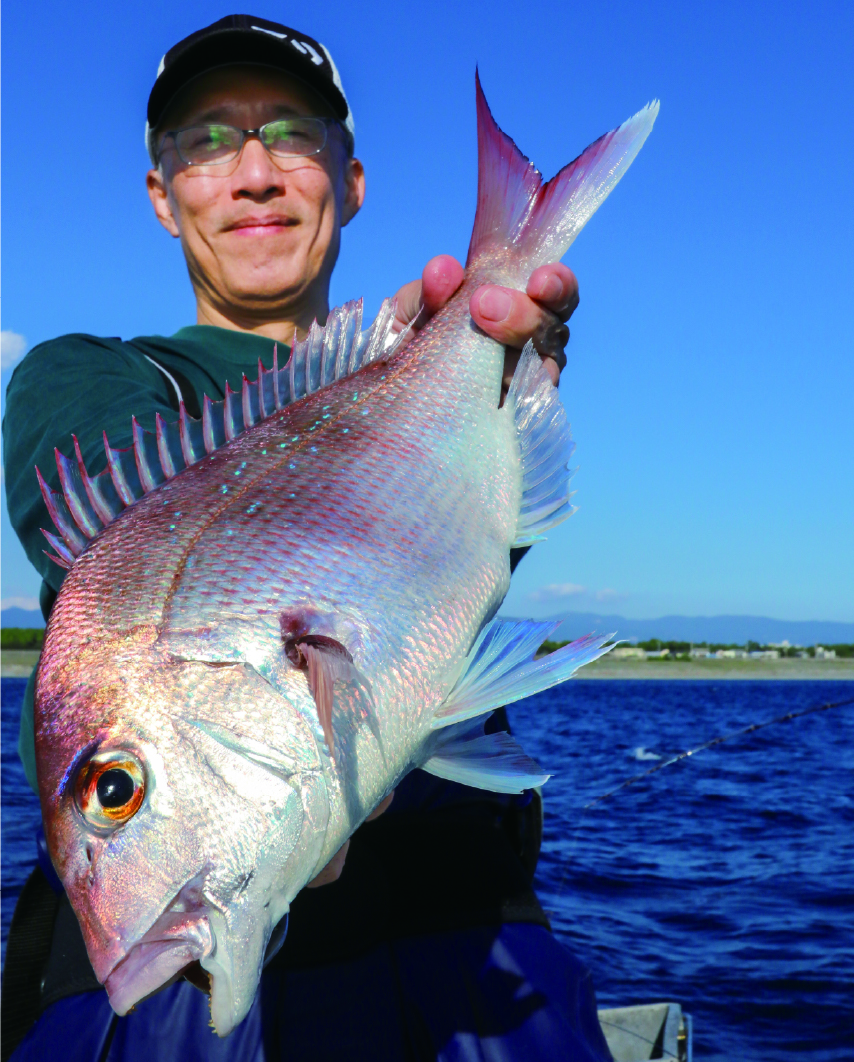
(230, 46)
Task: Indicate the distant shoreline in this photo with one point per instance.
(796, 669)
(18, 663)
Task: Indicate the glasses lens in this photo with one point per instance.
(294, 137)
(208, 144)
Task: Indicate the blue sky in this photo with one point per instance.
(711, 367)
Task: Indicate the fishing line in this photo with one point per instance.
(683, 756)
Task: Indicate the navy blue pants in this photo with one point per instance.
(496, 994)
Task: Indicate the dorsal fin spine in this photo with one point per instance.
(246, 391)
(166, 461)
(125, 488)
(291, 366)
(62, 519)
(208, 425)
(145, 462)
(74, 492)
(64, 557)
(262, 388)
(277, 399)
(187, 448)
(106, 505)
(232, 404)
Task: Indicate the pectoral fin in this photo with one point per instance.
(326, 661)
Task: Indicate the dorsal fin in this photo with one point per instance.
(85, 505)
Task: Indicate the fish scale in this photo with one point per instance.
(274, 613)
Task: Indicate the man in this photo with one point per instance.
(424, 946)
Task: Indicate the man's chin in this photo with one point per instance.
(271, 298)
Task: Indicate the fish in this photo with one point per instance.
(273, 613)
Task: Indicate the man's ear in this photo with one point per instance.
(156, 184)
(354, 190)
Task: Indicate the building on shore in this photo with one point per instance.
(624, 652)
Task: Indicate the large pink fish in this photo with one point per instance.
(274, 614)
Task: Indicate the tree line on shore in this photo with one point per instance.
(683, 649)
(31, 638)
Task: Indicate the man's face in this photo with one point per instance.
(259, 235)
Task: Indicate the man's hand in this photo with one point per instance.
(332, 871)
(512, 317)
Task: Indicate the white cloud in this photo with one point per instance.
(556, 591)
(610, 595)
(12, 348)
(29, 603)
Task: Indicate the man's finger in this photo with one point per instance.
(441, 277)
(513, 318)
(408, 305)
(332, 871)
(383, 805)
(550, 338)
(418, 300)
(555, 287)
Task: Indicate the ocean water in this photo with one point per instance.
(724, 882)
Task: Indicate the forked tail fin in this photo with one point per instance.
(539, 222)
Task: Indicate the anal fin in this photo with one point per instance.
(545, 447)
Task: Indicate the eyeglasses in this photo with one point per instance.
(286, 138)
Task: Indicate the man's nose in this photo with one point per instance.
(256, 173)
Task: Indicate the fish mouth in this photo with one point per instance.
(176, 940)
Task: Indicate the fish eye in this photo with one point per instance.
(115, 788)
(110, 788)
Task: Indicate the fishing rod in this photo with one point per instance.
(683, 756)
(716, 741)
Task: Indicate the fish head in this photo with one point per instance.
(184, 805)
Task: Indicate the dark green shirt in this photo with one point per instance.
(84, 385)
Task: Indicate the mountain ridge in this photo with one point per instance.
(735, 629)
(725, 628)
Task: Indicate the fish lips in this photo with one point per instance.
(176, 939)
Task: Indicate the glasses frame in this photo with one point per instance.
(247, 134)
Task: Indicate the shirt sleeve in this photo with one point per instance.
(78, 385)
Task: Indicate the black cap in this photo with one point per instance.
(246, 39)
